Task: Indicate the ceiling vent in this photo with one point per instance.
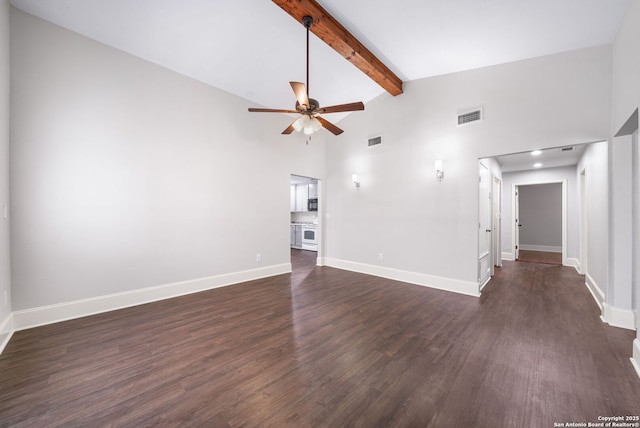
(470, 117)
(374, 141)
(566, 149)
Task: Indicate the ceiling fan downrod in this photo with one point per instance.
(307, 21)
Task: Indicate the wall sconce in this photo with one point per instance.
(439, 169)
(356, 181)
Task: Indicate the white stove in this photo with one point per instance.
(310, 237)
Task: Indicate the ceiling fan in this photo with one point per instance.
(310, 109)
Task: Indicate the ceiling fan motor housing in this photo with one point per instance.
(314, 105)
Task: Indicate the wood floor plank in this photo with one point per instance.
(540, 257)
(323, 347)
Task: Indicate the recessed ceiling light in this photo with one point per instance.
(537, 165)
(536, 153)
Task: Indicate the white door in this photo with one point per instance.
(484, 224)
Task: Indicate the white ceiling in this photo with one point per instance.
(549, 158)
(252, 48)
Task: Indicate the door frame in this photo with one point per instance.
(496, 220)
(515, 210)
(485, 258)
(635, 274)
(515, 235)
(320, 216)
(584, 225)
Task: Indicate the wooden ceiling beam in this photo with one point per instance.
(329, 30)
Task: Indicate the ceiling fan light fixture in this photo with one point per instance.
(315, 124)
(301, 123)
(307, 124)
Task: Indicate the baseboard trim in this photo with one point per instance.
(6, 331)
(573, 262)
(545, 248)
(441, 283)
(50, 314)
(616, 317)
(635, 360)
(486, 281)
(595, 291)
(508, 257)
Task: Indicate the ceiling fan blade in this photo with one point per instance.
(301, 93)
(342, 108)
(329, 126)
(270, 110)
(289, 129)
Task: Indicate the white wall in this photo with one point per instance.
(536, 176)
(541, 217)
(636, 250)
(425, 226)
(626, 67)
(126, 175)
(5, 287)
(621, 223)
(594, 162)
(626, 99)
(636, 230)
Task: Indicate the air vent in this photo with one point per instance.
(375, 141)
(566, 149)
(470, 117)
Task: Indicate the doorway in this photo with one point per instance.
(489, 220)
(305, 243)
(539, 228)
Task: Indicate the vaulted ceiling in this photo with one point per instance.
(252, 48)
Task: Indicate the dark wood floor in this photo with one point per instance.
(540, 257)
(329, 348)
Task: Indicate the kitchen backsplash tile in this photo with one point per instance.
(304, 217)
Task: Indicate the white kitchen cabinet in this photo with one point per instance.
(296, 236)
(302, 197)
(299, 197)
(293, 197)
(313, 190)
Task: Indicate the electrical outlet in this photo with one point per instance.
(5, 211)
(380, 257)
(258, 257)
